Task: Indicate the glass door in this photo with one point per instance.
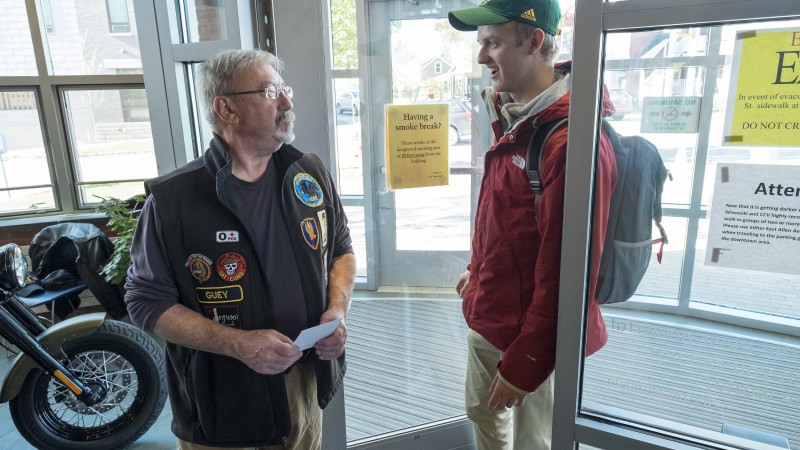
(417, 58)
(704, 355)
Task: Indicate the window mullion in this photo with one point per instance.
(51, 116)
(96, 80)
(40, 45)
(698, 177)
(55, 141)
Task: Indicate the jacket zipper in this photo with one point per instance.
(270, 316)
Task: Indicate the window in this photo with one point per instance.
(118, 21)
(704, 351)
(26, 184)
(67, 139)
(203, 20)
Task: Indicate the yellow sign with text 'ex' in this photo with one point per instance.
(764, 94)
(416, 145)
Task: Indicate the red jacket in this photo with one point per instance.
(512, 296)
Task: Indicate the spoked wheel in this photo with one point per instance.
(124, 364)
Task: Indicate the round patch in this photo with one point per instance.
(307, 190)
(199, 266)
(231, 266)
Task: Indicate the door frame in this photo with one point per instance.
(595, 18)
(406, 267)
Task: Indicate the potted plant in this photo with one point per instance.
(122, 218)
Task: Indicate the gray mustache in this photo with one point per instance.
(287, 117)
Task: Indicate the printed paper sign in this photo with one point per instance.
(755, 218)
(416, 145)
(764, 94)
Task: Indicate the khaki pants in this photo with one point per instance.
(301, 387)
(526, 427)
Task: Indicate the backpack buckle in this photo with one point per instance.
(536, 182)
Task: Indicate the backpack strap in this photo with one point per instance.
(533, 159)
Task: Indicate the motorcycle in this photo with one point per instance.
(85, 382)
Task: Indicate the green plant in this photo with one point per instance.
(122, 218)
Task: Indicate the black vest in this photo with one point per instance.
(218, 400)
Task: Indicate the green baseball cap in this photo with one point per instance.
(544, 14)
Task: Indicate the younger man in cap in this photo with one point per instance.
(511, 287)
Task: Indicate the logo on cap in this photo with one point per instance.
(529, 14)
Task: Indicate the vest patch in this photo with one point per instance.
(310, 232)
(219, 294)
(519, 161)
(323, 227)
(226, 315)
(227, 236)
(199, 266)
(231, 267)
(307, 190)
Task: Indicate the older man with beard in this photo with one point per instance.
(234, 254)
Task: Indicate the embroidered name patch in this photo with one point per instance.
(519, 161)
(310, 232)
(219, 294)
(231, 267)
(199, 266)
(307, 190)
(227, 236)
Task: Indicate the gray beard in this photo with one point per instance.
(287, 137)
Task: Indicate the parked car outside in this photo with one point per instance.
(623, 102)
(347, 101)
(460, 118)
(460, 121)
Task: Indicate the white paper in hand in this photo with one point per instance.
(310, 336)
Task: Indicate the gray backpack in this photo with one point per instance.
(635, 206)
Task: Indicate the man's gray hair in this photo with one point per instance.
(550, 47)
(217, 75)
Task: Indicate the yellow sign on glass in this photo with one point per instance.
(416, 145)
(764, 94)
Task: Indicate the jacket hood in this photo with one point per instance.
(552, 104)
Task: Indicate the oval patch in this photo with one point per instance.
(307, 190)
(199, 266)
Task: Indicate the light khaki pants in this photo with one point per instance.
(301, 388)
(526, 427)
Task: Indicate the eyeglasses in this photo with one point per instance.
(271, 92)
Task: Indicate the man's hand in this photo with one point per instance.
(332, 346)
(462, 283)
(267, 351)
(502, 396)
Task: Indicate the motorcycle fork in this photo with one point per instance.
(12, 312)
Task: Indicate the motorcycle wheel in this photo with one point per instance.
(120, 359)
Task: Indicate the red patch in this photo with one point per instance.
(231, 266)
